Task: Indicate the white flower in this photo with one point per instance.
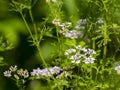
(64, 31)
(100, 21)
(89, 60)
(82, 21)
(16, 76)
(47, 1)
(56, 21)
(7, 73)
(118, 72)
(67, 24)
(55, 70)
(63, 74)
(46, 72)
(79, 27)
(69, 51)
(84, 50)
(36, 72)
(75, 61)
(73, 34)
(90, 51)
(117, 68)
(54, 1)
(50, 71)
(13, 68)
(76, 56)
(23, 73)
(78, 47)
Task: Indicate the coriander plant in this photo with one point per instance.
(87, 46)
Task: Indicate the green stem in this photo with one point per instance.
(28, 28)
(105, 43)
(105, 30)
(93, 44)
(59, 42)
(37, 45)
(21, 88)
(35, 41)
(34, 25)
(104, 52)
(40, 54)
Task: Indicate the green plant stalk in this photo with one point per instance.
(39, 51)
(59, 42)
(56, 13)
(105, 30)
(105, 42)
(104, 51)
(37, 45)
(36, 38)
(93, 44)
(20, 86)
(34, 25)
(28, 28)
(40, 54)
(46, 66)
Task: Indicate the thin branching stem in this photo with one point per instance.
(28, 28)
(34, 25)
(36, 41)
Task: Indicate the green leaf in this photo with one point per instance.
(70, 42)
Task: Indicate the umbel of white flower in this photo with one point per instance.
(47, 72)
(78, 54)
(16, 73)
(48, 1)
(64, 29)
(7, 73)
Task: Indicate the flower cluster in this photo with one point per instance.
(64, 29)
(78, 54)
(117, 68)
(99, 21)
(48, 1)
(63, 74)
(46, 72)
(81, 24)
(16, 73)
